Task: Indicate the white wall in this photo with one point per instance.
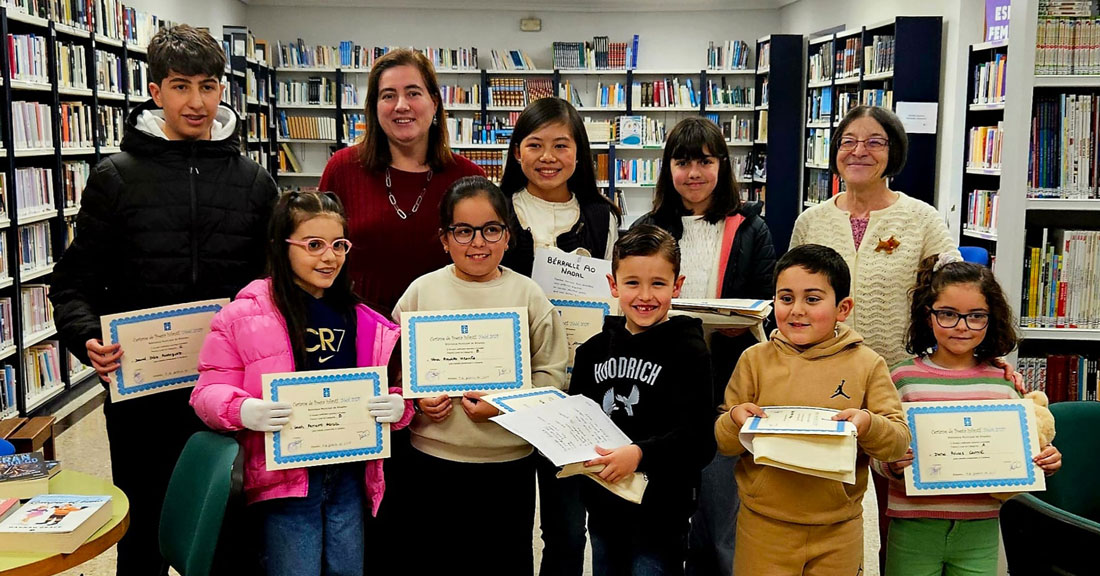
(212, 14)
(963, 25)
(667, 39)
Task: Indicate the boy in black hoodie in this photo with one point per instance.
(651, 374)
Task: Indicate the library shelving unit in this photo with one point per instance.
(1025, 219)
(985, 98)
(778, 145)
(879, 64)
(248, 90)
(65, 113)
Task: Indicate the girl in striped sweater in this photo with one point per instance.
(959, 322)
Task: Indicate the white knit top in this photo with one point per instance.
(880, 279)
(699, 247)
(547, 220)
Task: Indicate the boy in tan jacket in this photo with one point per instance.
(791, 523)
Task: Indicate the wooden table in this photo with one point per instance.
(72, 482)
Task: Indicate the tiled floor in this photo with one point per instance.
(82, 445)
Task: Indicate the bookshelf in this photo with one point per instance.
(249, 83)
(984, 122)
(880, 65)
(482, 105)
(777, 144)
(1072, 202)
(88, 71)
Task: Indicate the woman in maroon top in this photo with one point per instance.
(391, 181)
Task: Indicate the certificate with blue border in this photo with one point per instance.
(973, 447)
(582, 319)
(513, 401)
(160, 347)
(454, 352)
(329, 422)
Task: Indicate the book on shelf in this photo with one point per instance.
(54, 523)
(288, 161)
(821, 62)
(818, 145)
(1066, 45)
(879, 56)
(74, 176)
(602, 167)
(306, 127)
(1062, 280)
(316, 90)
(1063, 377)
(848, 58)
(491, 161)
(819, 104)
(989, 80)
(599, 54)
(665, 93)
(8, 403)
(112, 122)
(723, 94)
(878, 97)
(77, 125)
(598, 131)
(32, 125)
(1061, 165)
(764, 56)
(518, 92)
(138, 78)
(37, 309)
(454, 94)
(762, 125)
(511, 60)
(35, 250)
(27, 58)
(631, 130)
(108, 72)
(34, 190)
(728, 55)
(72, 68)
(641, 171)
(42, 368)
(982, 208)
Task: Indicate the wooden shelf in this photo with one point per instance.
(1063, 204)
(1079, 334)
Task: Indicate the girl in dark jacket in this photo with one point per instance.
(726, 252)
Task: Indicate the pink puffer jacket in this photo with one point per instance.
(248, 339)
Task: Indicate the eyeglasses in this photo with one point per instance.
(849, 144)
(318, 246)
(491, 232)
(950, 319)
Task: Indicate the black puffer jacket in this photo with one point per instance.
(163, 222)
(750, 271)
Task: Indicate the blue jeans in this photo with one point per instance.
(622, 547)
(714, 525)
(321, 533)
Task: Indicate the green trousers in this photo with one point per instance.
(935, 547)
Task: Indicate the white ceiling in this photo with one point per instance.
(536, 6)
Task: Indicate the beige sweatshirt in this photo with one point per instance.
(458, 438)
(838, 373)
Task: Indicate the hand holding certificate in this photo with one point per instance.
(465, 351)
(161, 347)
(803, 439)
(330, 420)
(973, 447)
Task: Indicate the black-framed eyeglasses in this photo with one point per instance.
(950, 319)
(463, 234)
(874, 144)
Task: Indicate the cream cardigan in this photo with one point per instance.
(881, 279)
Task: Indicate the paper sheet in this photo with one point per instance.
(565, 431)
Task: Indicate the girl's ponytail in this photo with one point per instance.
(919, 339)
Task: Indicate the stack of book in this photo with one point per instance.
(731, 55)
(985, 147)
(1064, 146)
(32, 125)
(512, 60)
(27, 58)
(665, 93)
(25, 475)
(306, 127)
(879, 56)
(848, 58)
(989, 80)
(72, 67)
(600, 54)
(54, 523)
(1062, 280)
(981, 213)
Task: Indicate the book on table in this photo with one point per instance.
(54, 523)
(23, 475)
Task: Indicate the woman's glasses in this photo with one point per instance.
(849, 144)
(950, 319)
(318, 246)
(464, 234)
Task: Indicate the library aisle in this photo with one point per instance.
(82, 446)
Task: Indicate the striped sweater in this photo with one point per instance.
(917, 380)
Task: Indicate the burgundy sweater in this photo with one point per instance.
(388, 253)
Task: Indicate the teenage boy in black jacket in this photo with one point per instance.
(651, 374)
(178, 216)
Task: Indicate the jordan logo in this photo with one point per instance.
(840, 391)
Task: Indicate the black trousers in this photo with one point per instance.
(147, 435)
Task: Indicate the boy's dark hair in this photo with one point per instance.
(469, 187)
(184, 50)
(374, 145)
(1000, 334)
(891, 125)
(292, 209)
(554, 111)
(818, 259)
(647, 240)
(686, 141)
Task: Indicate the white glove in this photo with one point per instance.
(264, 416)
(386, 409)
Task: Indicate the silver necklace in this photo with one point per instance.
(393, 201)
